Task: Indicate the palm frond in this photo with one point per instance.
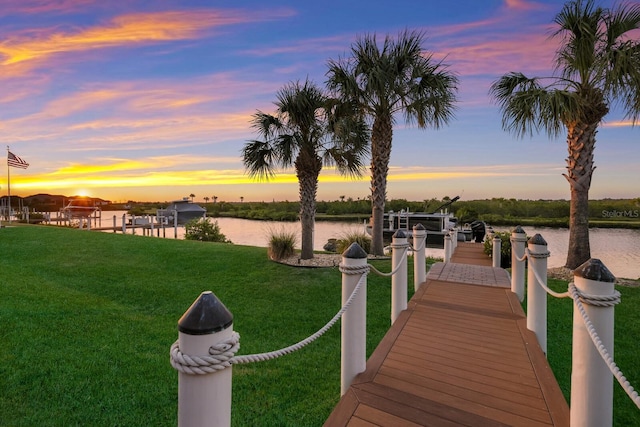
(259, 159)
(527, 106)
(265, 125)
(579, 26)
(620, 21)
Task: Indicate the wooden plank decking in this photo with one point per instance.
(459, 355)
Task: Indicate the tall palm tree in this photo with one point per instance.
(308, 131)
(597, 65)
(379, 82)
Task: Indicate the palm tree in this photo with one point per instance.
(597, 65)
(379, 83)
(215, 199)
(308, 131)
(192, 197)
(206, 199)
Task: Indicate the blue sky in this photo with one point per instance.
(138, 100)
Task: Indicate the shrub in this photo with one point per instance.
(204, 230)
(350, 237)
(34, 218)
(282, 244)
(505, 247)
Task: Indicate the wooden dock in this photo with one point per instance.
(460, 355)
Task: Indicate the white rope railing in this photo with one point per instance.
(392, 272)
(222, 355)
(596, 300)
(602, 301)
(219, 358)
(524, 255)
(422, 244)
(542, 282)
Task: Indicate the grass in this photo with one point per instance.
(88, 319)
(282, 243)
(349, 237)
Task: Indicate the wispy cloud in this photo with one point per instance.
(125, 30)
(523, 5)
(619, 124)
(324, 44)
(185, 171)
(12, 7)
(137, 114)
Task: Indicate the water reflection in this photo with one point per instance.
(618, 249)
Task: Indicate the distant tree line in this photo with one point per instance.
(496, 211)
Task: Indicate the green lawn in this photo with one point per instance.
(87, 320)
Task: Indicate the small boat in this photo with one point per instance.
(80, 207)
(184, 209)
(438, 224)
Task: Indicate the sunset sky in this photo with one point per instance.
(152, 100)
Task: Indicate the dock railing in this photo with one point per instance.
(594, 298)
(206, 347)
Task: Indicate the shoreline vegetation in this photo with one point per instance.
(88, 320)
(606, 213)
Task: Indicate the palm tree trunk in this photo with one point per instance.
(581, 140)
(307, 173)
(381, 136)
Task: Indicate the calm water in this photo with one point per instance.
(619, 249)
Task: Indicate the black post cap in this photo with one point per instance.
(354, 251)
(206, 315)
(399, 234)
(537, 239)
(518, 229)
(594, 269)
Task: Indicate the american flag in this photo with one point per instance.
(15, 161)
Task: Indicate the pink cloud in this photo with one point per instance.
(34, 47)
(523, 5)
(9, 7)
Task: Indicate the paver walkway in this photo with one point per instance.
(459, 355)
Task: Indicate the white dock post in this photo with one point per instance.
(399, 247)
(448, 250)
(124, 223)
(353, 357)
(518, 244)
(175, 224)
(204, 400)
(536, 294)
(497, 251)
(419, 257)
(114, 224)
(591, 379)
(454, 238)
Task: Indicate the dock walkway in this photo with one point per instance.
(460, 354)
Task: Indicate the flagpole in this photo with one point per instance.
(8, 186)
